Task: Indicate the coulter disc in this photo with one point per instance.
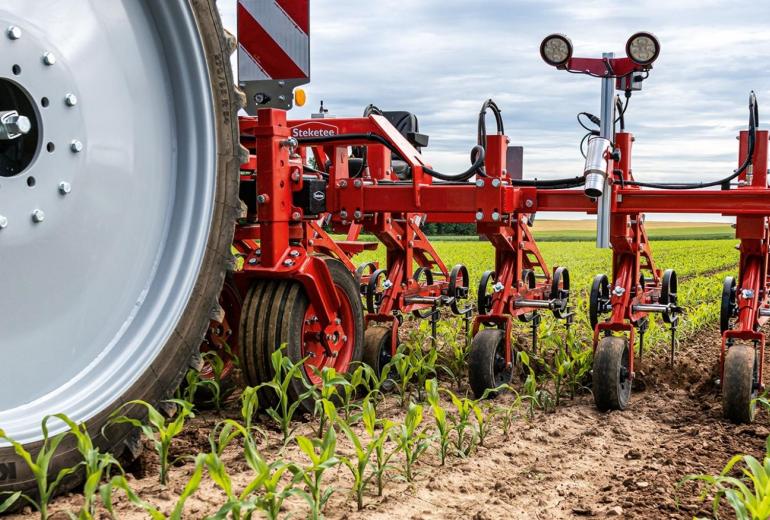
(117, 207)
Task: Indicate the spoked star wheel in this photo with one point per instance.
(118, 196)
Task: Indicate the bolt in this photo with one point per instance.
(295, 176)
(498, 287)
(343, 184)
(479, 215)
(12, 125)
(387, 284)
(296, 215)
(294, 253)
(76, 146)
(357, 214)
(747, 294)
(3, 222)
(290, 143)
(344, 339)
(49, 58)
(529, 203)
(343, 214)
(38, 216)
(258, 252)
(495, 183)
(64, 187)
(479, 183)
(337, 321)
(71, 100)
(310, 242)
(288, 263)
(262, 198)
(358, 183)
(411, 243)
(618, 291)
(14, 33)
(252, 261)
(495, 216)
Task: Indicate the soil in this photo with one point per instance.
(572, 463)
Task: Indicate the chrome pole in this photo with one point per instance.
(606, 131)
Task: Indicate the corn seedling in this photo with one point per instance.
(97, 465)
(321, 454)
(357, 380)
(192, 383)
(749, 497)
(157, 429)
(38, 466)
(465, 434)
(119, 482)
(284, 372)
(411, 441)
(215, 386)
(11, 499)
(331, 382)
(439, 415)
(263, 493)
(359, 465)
(249, 407)
(406, 372)
(453, 358)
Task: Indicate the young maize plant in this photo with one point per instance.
(284, 372)
(331, 382)
(249, 407)
(443, 429)
(263, 493)
(97, 466)
(357, 379)
(157, 429)
(362, 462)
(453, 358)
(119, 482)
(39, 467)
(322, 456)
(411, 441)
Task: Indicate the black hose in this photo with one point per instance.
(725, 183)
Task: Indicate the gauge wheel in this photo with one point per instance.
(279, 313)
(119, 252)
(377, 352)
(487, 368)
(739, 383)
(728, 308)
(611, 374)
(598, 299)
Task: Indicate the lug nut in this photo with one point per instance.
(3, 222)
(13, 32)
(76, 146)
(49, 58)
(38, 216)
(71, 100)
(64, 187)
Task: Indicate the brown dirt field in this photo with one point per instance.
(573, 463)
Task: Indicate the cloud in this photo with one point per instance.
(441, 58)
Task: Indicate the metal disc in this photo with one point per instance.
(101, 250)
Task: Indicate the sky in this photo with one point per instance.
(440, 59)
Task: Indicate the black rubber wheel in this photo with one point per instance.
(278, 312)
(739, 383)
(374, 290)
(598, 298)
(483, 297)
(457, 290)
(560, 291)
(611, 376)
(727, 307)
(181, 350)
(377, 351)
(486, 362)
(668, 293)
(419, 274)
(530, 282)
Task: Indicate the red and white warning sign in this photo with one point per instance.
(273, 40)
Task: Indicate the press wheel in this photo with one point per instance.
(611, 374)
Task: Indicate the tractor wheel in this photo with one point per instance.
(738, 384)
(377, 351)
(486, 362)
(119, 208)
(279, 312)
(611, 375)
(221, 340)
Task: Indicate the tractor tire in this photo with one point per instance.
(611, 377)
(738, 388)
(125, 298)
(277, 313)
(486, 362)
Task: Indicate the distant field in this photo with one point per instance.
(579, 230)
